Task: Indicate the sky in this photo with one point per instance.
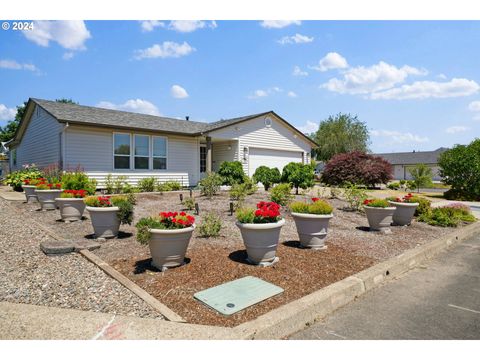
(416, 84)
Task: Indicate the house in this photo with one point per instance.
(103, 141)
(4, 164)
(402, 162)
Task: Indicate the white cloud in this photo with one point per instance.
(6, 113)
(299, 72)
(295, 39)
(70, 34)
(364, 80)
(68, 55)
(13, 65)
(399, 137)
(165, 50)
(474, 106)
(430, 89)
(150, 25)
(186, 26)
(442, 76)
(292, 94)
(264, 92)
(331, 61)
(133, 105)
(178, 92)
(456, 129)
(309, 127)
(278, 24)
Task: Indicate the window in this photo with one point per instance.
(121, 151)
(159, 152)
(142, 151)
(203, 159)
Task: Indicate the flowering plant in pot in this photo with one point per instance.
(405, 208)
(379, 213)
(108, 212)
(47, 192)
(311, 220)
(71, 204)
(167, 236)
(29, 186)
(260, 229)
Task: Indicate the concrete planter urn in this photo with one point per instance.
(312, 229)
(71, 209)
(47, 198)
(261, 240)
(379, 217)
(30, 192)
(168, 247)
(404, 212)
(105, 221)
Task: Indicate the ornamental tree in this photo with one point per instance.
(299, 175)
(421, 175)
(357, 167)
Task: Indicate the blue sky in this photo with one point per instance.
(415, 84)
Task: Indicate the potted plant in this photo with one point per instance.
(46, 193)
(71, 204)
(108, 212)
(168, 236)
(311, 220)
(405, 209)
(379, 213)
(29, 186)
(260, 229)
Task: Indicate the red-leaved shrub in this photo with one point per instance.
(357, 167)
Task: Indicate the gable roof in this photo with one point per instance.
(414, 157)
(94, 116)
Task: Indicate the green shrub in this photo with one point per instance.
(238, 193)
(394, 186)
(231, 172)
(210, 185)
(355, 195)
(125, 205)
(245, 215)
(448, 216)
(210, 225)
(78, 180)
(281, 194)
(116, 185)
(410, 185)
(423, 205)
(318, 207)
(170, 185)
(299, 175)
(147, 184)
(267, 176)
(16, 178)
(378, 203)
(143, 229)
(189, 203)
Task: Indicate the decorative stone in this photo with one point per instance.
(57, 247)
(86, 245)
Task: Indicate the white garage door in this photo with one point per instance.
(271, 158)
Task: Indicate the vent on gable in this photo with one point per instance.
(268, 122)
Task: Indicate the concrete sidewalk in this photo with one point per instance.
(440, 300)
(22, 321)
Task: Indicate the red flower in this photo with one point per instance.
(315, 199)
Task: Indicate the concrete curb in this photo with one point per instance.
(130, 285)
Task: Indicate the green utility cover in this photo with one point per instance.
(237, 295)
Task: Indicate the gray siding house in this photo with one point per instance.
(104, 141)
(402, 162)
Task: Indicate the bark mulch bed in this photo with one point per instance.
(214, 261)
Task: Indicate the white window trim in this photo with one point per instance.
(150, 152)
(159, 157)
(113, 150)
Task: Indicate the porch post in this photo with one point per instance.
(209, 155)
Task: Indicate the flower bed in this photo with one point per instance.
(216, 260)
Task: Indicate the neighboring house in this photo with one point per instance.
(404, 161)
(4, 164)
(104, 141)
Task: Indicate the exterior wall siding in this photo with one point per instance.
(41, 142)
(221, 153)
(255, 133)
(401, 172)
(92, 149)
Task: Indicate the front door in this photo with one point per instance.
(203, 161)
